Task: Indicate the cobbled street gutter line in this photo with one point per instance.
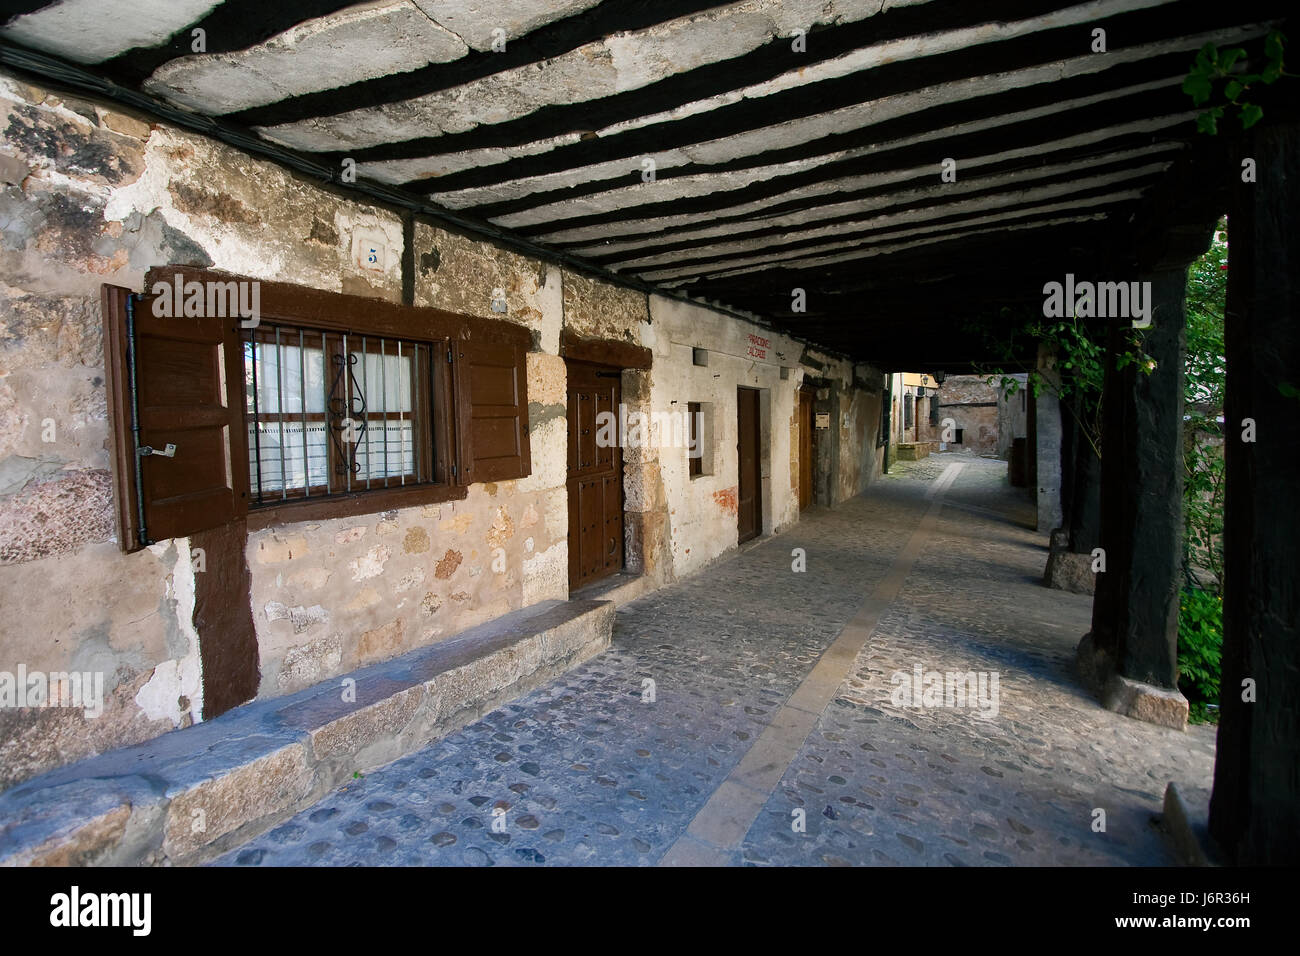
(714, 836)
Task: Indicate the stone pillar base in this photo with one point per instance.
(1094, 665)
(1132, 698)
(1067, 571)
(1155, 705)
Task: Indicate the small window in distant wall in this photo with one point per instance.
(699, 439)
(693, 449)
(958, 439)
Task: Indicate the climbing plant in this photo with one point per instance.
(1079, 365)
(1200, 615)
(1200, 652)
(1203, 398)
(1214, 67)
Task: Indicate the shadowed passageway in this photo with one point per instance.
(590, 770)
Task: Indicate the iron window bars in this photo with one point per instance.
(335, 413)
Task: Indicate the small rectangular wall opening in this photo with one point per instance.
(699, 439)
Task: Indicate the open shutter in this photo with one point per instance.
(492, 409)
(187, 392)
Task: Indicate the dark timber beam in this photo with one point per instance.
(1255, 807)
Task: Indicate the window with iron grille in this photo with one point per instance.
(330, 405)
(331, 413)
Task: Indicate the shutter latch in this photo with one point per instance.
(168, 452)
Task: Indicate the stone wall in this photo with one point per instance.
(972, 404)
(90, 195)
(1013, 415)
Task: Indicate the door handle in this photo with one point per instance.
(168, 452)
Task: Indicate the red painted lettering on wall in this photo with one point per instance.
(758, 346)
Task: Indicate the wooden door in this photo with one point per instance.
(595, 473)
(805, 449)
(749, 504)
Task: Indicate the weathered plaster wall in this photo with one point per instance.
(702, 510)
(89, 195)
(859, 425)
(69, 599)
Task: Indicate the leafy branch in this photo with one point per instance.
(1213, 66)
(1080, 368)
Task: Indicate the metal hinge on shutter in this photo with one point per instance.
(448, 356)
(140, 451)
(141, 531)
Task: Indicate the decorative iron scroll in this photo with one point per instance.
(347, 421)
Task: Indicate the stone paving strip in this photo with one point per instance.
(717, 830)
(192, 793)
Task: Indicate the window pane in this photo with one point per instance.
(387, 447)
(298, 369)
(389, 450)
(313, 428)
(387, 380)
(267, 440)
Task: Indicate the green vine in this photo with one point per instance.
(1213, 66)
(1080, 367)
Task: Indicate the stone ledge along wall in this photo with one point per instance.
(88, 195)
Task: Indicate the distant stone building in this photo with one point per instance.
(959, 413)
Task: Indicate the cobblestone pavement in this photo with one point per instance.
(587, 772)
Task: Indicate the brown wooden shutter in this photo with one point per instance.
(189, 391)
(492, 408)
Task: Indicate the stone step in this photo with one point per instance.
(192, 794)
(914, 450)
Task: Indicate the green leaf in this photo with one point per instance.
(1233, 90)
(1271, 72)
(1208, 122)
(1206, 57)
(1198, 88)
(1250, 115)
(1273, 44)
(1230, 57)
(1288, 390)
